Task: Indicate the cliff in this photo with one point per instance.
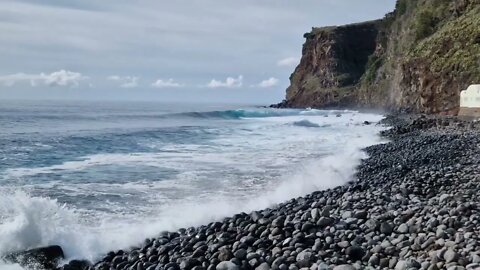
(418, 58)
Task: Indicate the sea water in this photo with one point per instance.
(99, 176)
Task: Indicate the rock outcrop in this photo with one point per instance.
(418, 58)
(333, 61)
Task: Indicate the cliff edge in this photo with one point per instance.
(417, 59)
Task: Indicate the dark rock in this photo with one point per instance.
(305, 259)
(46, 257)
(450, 256)
(263, 266)
(240, 254)
(325, 221)
(394, 215)
(386, 228)
(344, 267)
(227, 266)
(225, 254)
(355, 252)
(77, 265)
(189, 263)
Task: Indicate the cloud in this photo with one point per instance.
(114, 78)
(267, 83)
(288, 62)
(170, 83)
(152, 38)
(57, 78)
(125, 81)
(230, 82)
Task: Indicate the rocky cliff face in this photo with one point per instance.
(417, 58)
(334, 60)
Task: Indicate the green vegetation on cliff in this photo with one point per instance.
(426, 52)
(454, 47)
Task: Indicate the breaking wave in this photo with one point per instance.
(124, 186)
(37, 221)
(305, 123)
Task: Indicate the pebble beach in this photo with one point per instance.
(413, 205)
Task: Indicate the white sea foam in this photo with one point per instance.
(83, 163)
(6, 266)
(270, 134)
(28, 221)
(305, 123)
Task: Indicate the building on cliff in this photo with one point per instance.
(470, 101)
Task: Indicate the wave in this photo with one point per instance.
(258, 113)
(86, 162)
(305, 123)
(225, 114)
(29, 222)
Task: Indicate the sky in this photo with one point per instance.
(240, 51)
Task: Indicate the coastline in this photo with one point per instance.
(412, 205)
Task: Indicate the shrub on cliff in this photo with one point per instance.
(401, 7)
(373, 64)
(425, 24)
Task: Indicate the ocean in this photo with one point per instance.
(99, 176)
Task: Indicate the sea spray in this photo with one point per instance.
(36, 221)
(96, 192)
(28, 222)
(7, 266)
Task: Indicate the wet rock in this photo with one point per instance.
(77, 265)
(46, 257)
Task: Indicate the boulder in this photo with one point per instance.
(45, 257)
(227, 266)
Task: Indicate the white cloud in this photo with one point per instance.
(125, 81)
(230, 82)
(119, 37)
(288, 62)
(131, 82)
(267, 83)
(170, 83)
(63, 78)
(113, 78)
(57, 78)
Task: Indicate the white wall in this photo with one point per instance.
(470, 98)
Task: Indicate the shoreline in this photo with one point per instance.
(372, 222)
(411, 205)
